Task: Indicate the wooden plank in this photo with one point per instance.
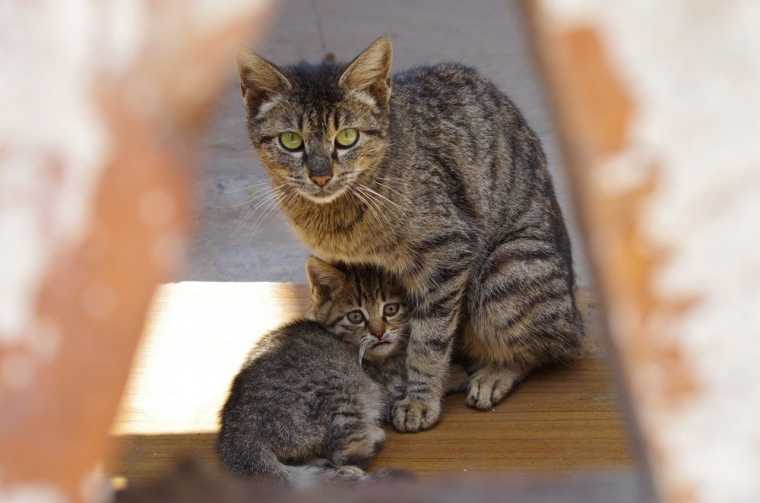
(658, 106)
(188, 484)
(560, 419)
(101, 102)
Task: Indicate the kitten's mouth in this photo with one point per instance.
(369, 345)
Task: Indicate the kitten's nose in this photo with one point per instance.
(321, 180)
(377, 329)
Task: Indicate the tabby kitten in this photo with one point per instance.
(302, 407)
(435, 176)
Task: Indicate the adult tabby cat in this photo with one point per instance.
(309, 403)
(434, 175)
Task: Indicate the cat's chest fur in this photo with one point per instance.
(348, 232)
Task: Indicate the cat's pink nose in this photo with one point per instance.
(321, 180)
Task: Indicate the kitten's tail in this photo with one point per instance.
(250, 459)
(259, 460)
(306, 476)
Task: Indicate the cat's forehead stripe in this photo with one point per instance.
(325, 119)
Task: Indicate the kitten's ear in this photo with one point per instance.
(324, 279)
(260, 80)
(371, 71)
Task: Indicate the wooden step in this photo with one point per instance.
(561, 419)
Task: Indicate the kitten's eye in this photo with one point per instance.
(291, 141)
(346, 137)
(355, 317)
(391, 309)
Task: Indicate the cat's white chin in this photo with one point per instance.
(322, 198)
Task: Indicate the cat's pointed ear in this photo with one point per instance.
(260, 80)
(324, 279)
(371, 71)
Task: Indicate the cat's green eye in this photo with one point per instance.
(291, 140)
(391, 309)
(347, 137)
(355, 317)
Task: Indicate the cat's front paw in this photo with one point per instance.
(411, 415)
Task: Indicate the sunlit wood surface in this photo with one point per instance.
(560, 419)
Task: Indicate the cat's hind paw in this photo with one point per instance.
(489, 385)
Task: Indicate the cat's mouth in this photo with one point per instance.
(339, 186)
(321, 195)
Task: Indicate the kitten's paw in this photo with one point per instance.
(415, 415)
(349, 473)
(489, 385)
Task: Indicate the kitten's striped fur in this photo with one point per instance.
(449, 189)
(304, 408)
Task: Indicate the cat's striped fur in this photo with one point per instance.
(448, 188)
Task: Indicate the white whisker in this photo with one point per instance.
(394, 203)
(380, 182)
(264, 205)
(374, 204)
(364, 345)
